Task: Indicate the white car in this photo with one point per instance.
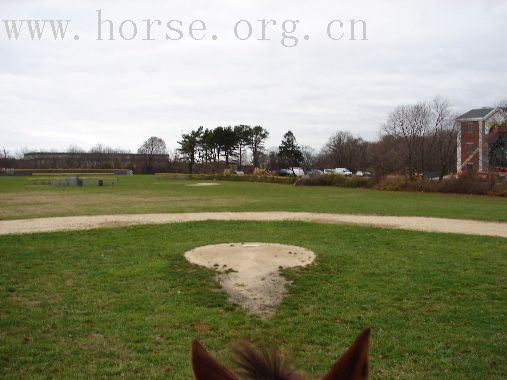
(290, 172)
(299, 172)
(339, 171)
(343, 171)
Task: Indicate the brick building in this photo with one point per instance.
(484, 146)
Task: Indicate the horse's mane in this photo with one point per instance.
(270, 364)
(265, 364)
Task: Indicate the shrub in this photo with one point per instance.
(392, 183)
(460, 186)
(500, 190)
(259, 171)
(450, 185)
(333, 180)
(388, 183)
(253, 178)
(356, 182)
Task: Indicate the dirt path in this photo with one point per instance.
(413, 223)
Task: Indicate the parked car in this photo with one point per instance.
(339, 171)
(314, 172)
(298, 171)
(343, 171)
(291, 172)
(284, 173)
(363, 174)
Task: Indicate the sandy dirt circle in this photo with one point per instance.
(203, 184)
(250, 272)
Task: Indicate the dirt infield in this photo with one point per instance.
(250, 272)
(412, 223)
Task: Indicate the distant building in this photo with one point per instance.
(477, 139)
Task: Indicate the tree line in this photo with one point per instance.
(208, 146)
(415, 139)
(151, 157)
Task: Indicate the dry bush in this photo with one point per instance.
(333, 180)
(259, 171)
(450, 186)
(260, 178)
(392, 183)
(500, 189)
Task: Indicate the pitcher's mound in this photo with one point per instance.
(250, 272)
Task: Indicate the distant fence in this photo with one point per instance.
(50, 172)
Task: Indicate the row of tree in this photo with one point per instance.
(426, 136)
(416, 139)
(211, 145)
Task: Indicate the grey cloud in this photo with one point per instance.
(59, 93)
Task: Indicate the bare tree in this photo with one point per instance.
(387, 156)
(345, 150)
(502, 106)
(410, 123)
(309, 157)
(427, 135)
(75, 158)
(151, 148)
(154, 145)
(5, 158)
(497, 154)
(257, 138)
(335, 150)
(443, 136)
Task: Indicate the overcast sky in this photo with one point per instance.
(119, 93)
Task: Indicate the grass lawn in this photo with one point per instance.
(124, 302)
(147, 194)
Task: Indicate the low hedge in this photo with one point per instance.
(387, 183)
(334, 180)
(449, 186)
(232, 177)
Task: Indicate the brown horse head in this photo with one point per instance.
(352, 365)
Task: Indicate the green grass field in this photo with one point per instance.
(125, 303)
(148, 194)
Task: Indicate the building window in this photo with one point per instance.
(470, 148)
(469, 127)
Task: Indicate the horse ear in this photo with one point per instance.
(206, 367)
(353, 364)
